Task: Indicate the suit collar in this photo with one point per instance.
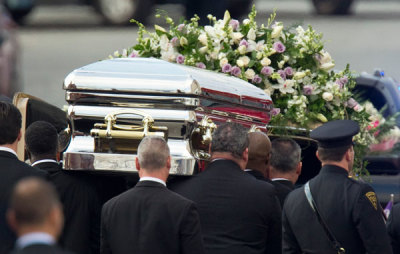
(7, 149)
(49, 166)
(8, 154)
(285, 182)
(153, 179)
(147, 183)
(332, 169)
(218, 163)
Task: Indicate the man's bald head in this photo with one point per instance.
(32, 200)
(259, 152)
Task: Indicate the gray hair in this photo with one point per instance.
(153, 153)
(230, 137)
(285, 154)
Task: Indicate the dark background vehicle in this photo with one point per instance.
(119, 12)
(384, 167)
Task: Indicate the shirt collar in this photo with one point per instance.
(35, 238)
(7, 149)
(154, 179)
(45, 160)
(279, 179)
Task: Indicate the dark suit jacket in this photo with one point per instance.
(11, 171)
(393, 227)
(349, 208)
(41, 249)
(238, 213)
(150, 219)
(81, 233)
(282, 188)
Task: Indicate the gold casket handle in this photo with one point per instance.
(111, 119)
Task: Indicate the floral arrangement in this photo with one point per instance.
(290, 64)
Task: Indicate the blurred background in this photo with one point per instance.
(56, 37)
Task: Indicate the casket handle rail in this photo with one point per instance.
(124, 138)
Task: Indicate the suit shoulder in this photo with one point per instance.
(360, 185)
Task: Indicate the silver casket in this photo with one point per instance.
(114, 103)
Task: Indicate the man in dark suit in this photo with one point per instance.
(81, 205)
(259, 154)
(149, 218)
(11, 169)
(238, 213)
(348, 207)
(393, 228)
(35, 214)
(284, 166)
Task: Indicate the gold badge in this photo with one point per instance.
(372, 198)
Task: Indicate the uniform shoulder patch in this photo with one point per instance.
(372, 198)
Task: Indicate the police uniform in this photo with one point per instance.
(349, 207)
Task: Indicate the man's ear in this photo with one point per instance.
(316, 154)
(298, 169)
(347, 155)
(12, 221)
(19, 135)
(137, 164)
(169, 162)
(245, 155)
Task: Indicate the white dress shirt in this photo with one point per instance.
(35, 238)
(154, 179)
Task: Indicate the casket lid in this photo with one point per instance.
(154, 76)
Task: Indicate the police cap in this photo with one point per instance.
(334, 134)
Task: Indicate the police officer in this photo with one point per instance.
(349, 208)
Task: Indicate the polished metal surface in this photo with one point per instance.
(81, 156)
(148, 75)
(99, 112)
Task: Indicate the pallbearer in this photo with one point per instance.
(333, 213)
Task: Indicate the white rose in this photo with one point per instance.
(203, 50)
(259, 55)
(285, 58)
(251, 35)
(242, 49)
(280, 64)
(246, 21)
(183, 41)
(223, 61)
(236, 37)
(203, 38)
(327, 96)
(325, 61)
(214, 55)
(265, 61)
(116, 53)
(327, 66)
(245, 60)
(249, 74)
(299, 75)
(276, 31)
(221, 55)
(164, 42)
(240, 63)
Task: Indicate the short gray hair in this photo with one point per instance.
(153, 153)
(285, 154)
(230, 137)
